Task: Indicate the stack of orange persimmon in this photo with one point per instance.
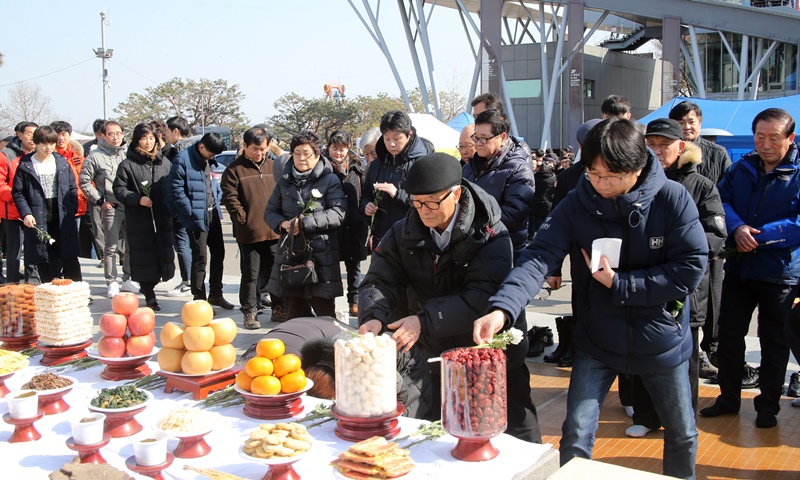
(272, 371)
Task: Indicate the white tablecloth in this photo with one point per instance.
(35, 460)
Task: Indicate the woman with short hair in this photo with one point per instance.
(308, 198)
(141, 185)
(46, 197)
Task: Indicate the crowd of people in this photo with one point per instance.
(458, 248)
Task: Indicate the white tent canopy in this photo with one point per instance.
(444, 138)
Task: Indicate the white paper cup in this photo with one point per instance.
(150, 449)
(23, 404)
(88, 433)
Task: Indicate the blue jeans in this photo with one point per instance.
(183, 249)
(672, 398)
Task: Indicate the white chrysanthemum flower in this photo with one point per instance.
(516, 336)
(316, 194)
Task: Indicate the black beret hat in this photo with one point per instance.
(433, 173)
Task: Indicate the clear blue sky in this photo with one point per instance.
(268, 47)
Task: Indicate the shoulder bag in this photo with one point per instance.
(297, 268)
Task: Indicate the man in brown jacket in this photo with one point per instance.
(247, 184)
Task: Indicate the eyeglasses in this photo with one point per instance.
(302, 154)
(611, 180)
(462, 146)
(482, 140)
(114, 134)
(430, 204)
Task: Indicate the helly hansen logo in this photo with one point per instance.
(656, 243)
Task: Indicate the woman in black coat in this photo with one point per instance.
(46, 197)
(353, 232)
(141, 187)
(309, 192)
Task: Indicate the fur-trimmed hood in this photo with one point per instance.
(691, 155)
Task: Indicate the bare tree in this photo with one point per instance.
(26, 102)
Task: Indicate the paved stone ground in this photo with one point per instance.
(541, 311)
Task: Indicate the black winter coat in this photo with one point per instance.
(388, 168)
(321, 226)
(30, 200)
(149, 231)
(449, 289)
(353, 232)
(509, 179)
(542, 202)
(716, 160)
(712, 217)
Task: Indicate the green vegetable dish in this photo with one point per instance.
(119, 397)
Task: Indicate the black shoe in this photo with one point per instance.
(765, 420)
(712, 357)
(716, 410)
(220, 302)
(548, 337)
(564, 328)
(153, 304)
(749, 377)
(794, 385)
(566, 359)
(537, 339)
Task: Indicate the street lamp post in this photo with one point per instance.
(105, 55)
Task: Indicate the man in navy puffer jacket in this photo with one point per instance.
(196, 196)
(633, 321)
(760, 194)
(502, 169)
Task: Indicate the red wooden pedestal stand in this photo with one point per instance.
(130, 370)
(474, 449)
(54, 355)
(19, 343)
(52, 401)
(193, 446)
(202, 385)
(152, 472)
(273, 407)
(279, 469)
(355, 429)
(281, 472)
(3, 389)
(89, 453)
(24, 431)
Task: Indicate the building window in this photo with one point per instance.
(588, 88)
(524, 88)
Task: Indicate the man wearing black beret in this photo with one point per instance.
(433, 272)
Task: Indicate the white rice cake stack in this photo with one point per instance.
(62, 313)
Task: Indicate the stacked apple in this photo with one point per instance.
(200, 345)
(127, 317)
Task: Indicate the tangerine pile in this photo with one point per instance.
(272, 371)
